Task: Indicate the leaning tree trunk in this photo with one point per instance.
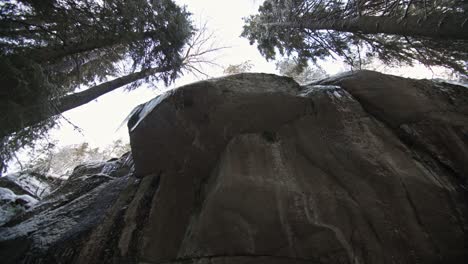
(37, 113)
(54, 53)
(449, 26)
(77, 99)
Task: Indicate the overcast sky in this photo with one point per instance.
(100, 120)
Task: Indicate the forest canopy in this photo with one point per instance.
(57, 55)
(432, 32)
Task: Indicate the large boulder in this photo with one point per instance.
(253, 168)
(361, 168)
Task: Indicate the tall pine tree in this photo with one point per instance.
(51, 48)
(433, 32)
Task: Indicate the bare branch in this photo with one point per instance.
(199, 50)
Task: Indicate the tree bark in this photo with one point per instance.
(449, 26)
(54, 53)
(35, 114)
(77, 99)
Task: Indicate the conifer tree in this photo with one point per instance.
(49, 49)
(433, 32)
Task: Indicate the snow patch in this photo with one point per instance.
(12, 204)
(442, 81)
(142, 111)
(324, 87)
(309, 89)
(109, 167)
(31, 183)
(337, 94)
(342, 94)
(6, 195)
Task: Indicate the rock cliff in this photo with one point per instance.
(253, 168)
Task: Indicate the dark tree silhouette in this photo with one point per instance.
(50, 50)
(433, 32)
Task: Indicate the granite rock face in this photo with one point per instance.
(361, 168)
(253, 168)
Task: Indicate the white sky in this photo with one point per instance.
(100, 119)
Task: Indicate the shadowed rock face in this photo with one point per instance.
(252, 168)
(54, 230)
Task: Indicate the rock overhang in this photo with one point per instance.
(209, 113)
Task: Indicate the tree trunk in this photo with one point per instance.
(54, 53)
(77, 99)
(450, 26)
(36, 114)
(72, 65)
(57, 52)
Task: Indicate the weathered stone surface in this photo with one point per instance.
(427, 115)
(252, 168)
(327, 174)
(30, 183)
(54, 231)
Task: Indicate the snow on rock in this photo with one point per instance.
(101, 168)
(9, 196)
(12, 204)
(33, 184)
(311, 89)
(22, 191)
(453, 82)
(334, 91)
(141, 111)
(337, 94)
(70, 212)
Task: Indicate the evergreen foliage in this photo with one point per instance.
(49, 49)
(56, 161)
(433, 32)
(303, 75)
(245, 66)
